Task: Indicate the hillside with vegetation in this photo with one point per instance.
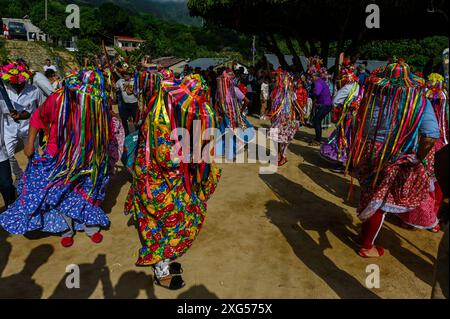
(35, 53)
(167, 31)
(106, 20)
(175, 11)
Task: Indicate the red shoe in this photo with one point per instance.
(67, 242)
(435, 229)
(97, 238)
(363, 252)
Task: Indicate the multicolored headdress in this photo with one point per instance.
(347, 74)
(437, 94)
(180, 105)
(285, 107)
(397, 96)
(315, 67)
(435, 80)
(228, 104)
(83, 129)
(15, 73)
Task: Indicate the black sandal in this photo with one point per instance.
(176, 282)
(175, 269)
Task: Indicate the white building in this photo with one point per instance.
(127, 43)
(33, 32)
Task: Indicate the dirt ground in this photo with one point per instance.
(287, 235)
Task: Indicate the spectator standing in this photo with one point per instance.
(128, 107)
(49, 65)
(6, 31)
(44, 82)
(323, 101)
(264, 97)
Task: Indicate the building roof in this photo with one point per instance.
(167, 62)
(131, 39)
(272, 59)
(205, 63)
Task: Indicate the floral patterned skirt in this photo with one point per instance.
(405, 187)
(333, 150)
(116, 145)
(285, 133)
(41, 206)
(168, 212)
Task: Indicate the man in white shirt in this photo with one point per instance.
(6, 183)
(264, 98)
(129, 106)
(25, 99)
(48, 65)
(44, 82)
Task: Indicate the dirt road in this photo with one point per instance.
(287, 235)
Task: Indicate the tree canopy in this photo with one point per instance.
(312, 25)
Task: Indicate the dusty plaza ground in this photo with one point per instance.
(287, 235)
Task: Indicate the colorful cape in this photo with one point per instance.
(228, 104)
(72, 182)
(399, 96)
(437, 94)
(285, 107)
(169, 194)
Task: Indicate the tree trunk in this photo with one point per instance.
(340, 45)
(296, 58)
(276, 50)
(302, 44)
(313, 49)
(324, 49)
(355, 46)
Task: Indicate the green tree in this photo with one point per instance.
(312, 26)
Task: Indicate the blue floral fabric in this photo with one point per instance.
(41, 205)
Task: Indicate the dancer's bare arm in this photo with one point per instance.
(425, 146)
(29, 147)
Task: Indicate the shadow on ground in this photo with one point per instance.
(22, 284)
(311, 155)
(332, 183)
(292, 221)
(129, 285)
(392, 241)
(114, 188)
(198, 292)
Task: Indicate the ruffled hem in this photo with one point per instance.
(376, 205)
(19, 220)
(41, 207)
(330, 153)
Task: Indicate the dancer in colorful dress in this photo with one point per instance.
(437, 93)
(230, 107)
(287, 114)
(170, 191)
(62, 190)
(231, 102)
(345, 106)
(393, 153)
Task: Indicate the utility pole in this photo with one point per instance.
(46, 10)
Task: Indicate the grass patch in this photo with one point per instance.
(3, 52)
